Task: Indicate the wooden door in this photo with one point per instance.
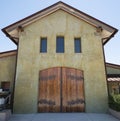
(72, 90)
(61, 90)
(49, 90)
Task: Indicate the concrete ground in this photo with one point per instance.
(62, 117)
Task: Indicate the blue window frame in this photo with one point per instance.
(60, 44)
(77, 45)
(43, 45)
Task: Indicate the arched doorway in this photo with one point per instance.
(61, 89)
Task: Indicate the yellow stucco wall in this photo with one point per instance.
(7, 69)
(31, 61)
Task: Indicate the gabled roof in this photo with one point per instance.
(12, 30)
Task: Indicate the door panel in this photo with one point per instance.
(61, 90)
(72, 90)
(49, 90)
(68, 91)
(80, 91)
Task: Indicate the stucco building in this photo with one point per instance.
(113, 77)
(59, 64)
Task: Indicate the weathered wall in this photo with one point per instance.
(7, 69)
(31, 61)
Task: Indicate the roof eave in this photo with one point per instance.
(11, 38)
(8, 53)
(112, 35)
(112, 65)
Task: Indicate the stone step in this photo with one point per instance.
(5, 115)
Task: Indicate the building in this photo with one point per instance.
(59, 65)
(113, 77)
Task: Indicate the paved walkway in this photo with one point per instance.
(63, 117)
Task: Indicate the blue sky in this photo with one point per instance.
(105, 10)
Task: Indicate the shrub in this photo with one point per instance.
(114, 102)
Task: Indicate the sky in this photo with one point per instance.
(107, 11)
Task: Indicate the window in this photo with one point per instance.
(43, 45)
(77, 45)
(60, 44)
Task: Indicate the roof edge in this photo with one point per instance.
(55, 5)
(7, 35)
(113, 65)
(3, 29)
(8, 53)
(116, 30)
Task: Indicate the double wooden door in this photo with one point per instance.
(61, 90)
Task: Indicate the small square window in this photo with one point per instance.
(77, 45)
(60, 44)
(43, 45)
